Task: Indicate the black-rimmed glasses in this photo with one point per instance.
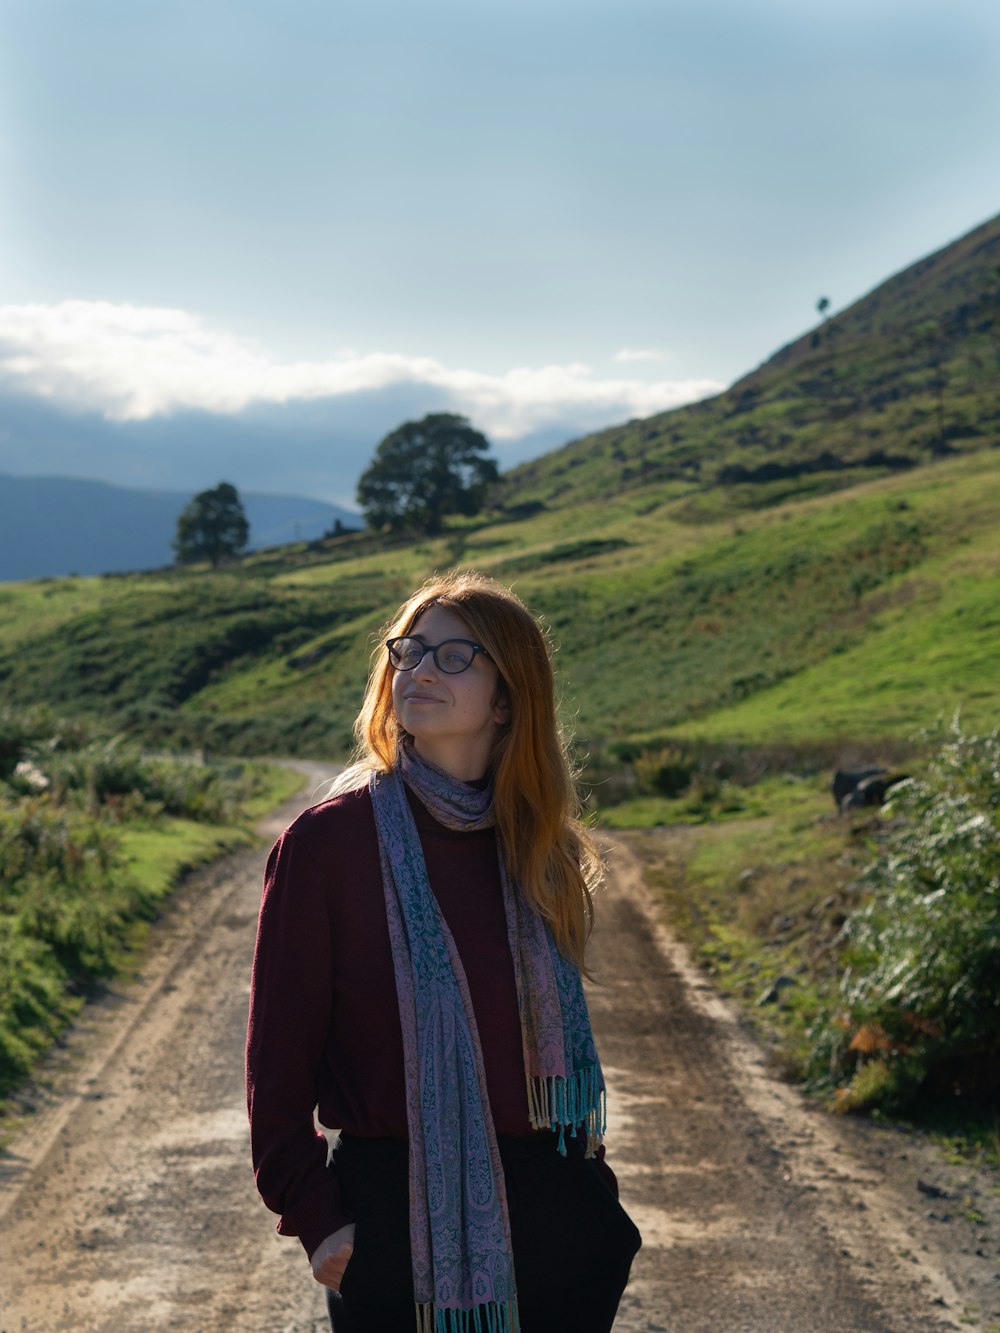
(451, 657)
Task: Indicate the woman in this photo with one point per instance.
(417, 979)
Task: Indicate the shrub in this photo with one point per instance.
(112, 778)
(665, 772)
(66, 900)
(921, 990)
(24, 730)
(67, 896)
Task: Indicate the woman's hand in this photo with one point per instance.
(332, 1257)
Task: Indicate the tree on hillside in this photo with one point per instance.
(823, 305)
(425, 470)
(212, 526)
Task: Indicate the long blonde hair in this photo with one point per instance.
(545, 845)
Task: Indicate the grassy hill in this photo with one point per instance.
(863, 613)
(808, 558)
(908, 374)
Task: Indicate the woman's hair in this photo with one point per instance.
(546, 847)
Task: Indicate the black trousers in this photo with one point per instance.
(573, 1242)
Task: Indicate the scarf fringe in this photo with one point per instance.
(493, 1317)
(559, 1104)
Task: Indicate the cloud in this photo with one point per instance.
(640, 354)
(130, 363)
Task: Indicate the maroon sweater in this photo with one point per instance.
(324, 1020)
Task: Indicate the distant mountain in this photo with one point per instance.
(51, 526)
(906, 375)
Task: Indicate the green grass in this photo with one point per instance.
(930, 650)
(712, 802)
(40, 606)
(159, 855)
(865, 611)
(273, 785)
(759, 897)
(81, 888)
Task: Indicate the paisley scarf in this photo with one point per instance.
(463, 1266)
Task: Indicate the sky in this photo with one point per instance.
(244, 241)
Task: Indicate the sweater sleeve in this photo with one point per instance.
(291, 994)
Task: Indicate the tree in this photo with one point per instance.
(211, 526)
(823, 305)
(424, 470)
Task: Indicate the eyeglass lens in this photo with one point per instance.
(451, 657)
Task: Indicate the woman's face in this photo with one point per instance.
(453, 719)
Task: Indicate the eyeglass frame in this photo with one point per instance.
(432, 648)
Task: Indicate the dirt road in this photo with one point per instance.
(127, 1203)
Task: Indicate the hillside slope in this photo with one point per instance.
(908, 374)
(866, 612)
(811, 557)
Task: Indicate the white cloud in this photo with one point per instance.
(640, 354)
(131, 363)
